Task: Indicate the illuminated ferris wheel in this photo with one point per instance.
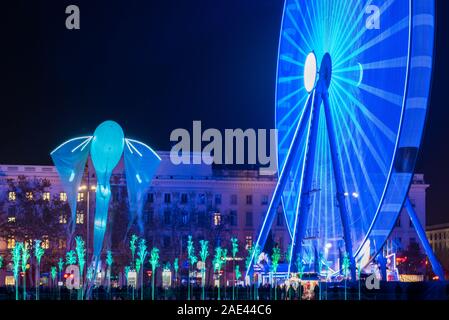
(352, 90)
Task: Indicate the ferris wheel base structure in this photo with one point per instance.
(351, 106)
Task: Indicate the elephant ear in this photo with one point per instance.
(70, 160)
(141, 163)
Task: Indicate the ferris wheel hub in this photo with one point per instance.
(310, 72)
(326, 70)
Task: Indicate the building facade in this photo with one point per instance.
(438, 236)
(198, 200)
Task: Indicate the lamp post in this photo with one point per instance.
(88, 188)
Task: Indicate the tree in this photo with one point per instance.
(176, 268)
(300, 267)
(234, 251)
(60, 267)
(238, 275)
(142, 253)
(33, 212)
(413, 260)
(70, 257)
(81, 254)
(345, 267)
(275, 257)
(25, 257)
(132, 246)
(53, 273)
(154, 261)
(192, 260)
(109, 261)
(16, 255)
(38, 253)
(126, 270)
(218, 265)
(204, 253)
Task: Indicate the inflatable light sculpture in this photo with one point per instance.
(106, 148)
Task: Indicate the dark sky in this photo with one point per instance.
(154, 66)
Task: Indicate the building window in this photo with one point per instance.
(149, 216)
(249, 219)
(167, 242)
(233, 199)
(167, 197)
(248, 242)
(249, 199)
(233, 218)
(63, 196)
(63, 219)
(202, 219)
(46, 196)
(167, 217)
(29, 195)
(279, 219)
(62, 243)
(11, 196)
(150, 198)
(11, 219)
(202, 198)
(217, 199)
(45, 242)
(398, 222)
(80, 217)
(184, 198)
(80, 196)
(11, 211)
(264, 201)
(185, 217)
(11, 243)
(217, 219)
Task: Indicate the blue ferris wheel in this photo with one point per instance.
(352, 90)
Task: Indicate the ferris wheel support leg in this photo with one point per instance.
(283, 178)
(302, 213)
(436, 266)
(339, 184)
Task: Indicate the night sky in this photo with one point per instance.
(154, 66)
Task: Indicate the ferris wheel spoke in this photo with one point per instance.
(348, 162)
(398, 27)
(373, 141)
(383, 128)
(340, 19)
(293, 43)
(338, 176)
(289, 38)
(400, 62)
(290, 79)
(391, 97)
(290, 95)
(360, 161)
(291, 60)
(343, 109)
(349, 29)
(350, 46)
(306, 25)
